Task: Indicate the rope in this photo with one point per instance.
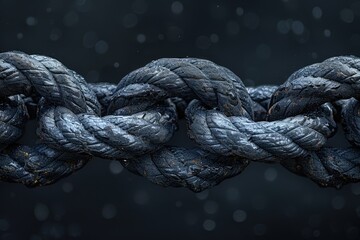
(132, 122)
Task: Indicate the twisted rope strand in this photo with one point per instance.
(132, 122)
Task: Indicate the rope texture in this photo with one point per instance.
(132, 122)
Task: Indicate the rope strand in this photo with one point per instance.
(132, 122)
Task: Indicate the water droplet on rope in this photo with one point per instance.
(115, 166)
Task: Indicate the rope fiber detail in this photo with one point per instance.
(133, 122)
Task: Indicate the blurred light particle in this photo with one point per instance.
(177, 7)
(55, 34)
(263, 51)
(270, 173)
(338, 202)
(239, 216)
(80, 2)
(218, 11)
(317, 12)
(355, 6)
(174, 33)
(352, 232)
(209, 225)
(41, 212)
(139, 6)
(19, 36)
(83, 5)
(239, 11)
(355, 39)
(232, 28)
(130, 20)
(109, 211)
(67, 187)
(303, 38)
(90, 39)
(297, 27)
(48, 10)
(251, 20)
(191, 218)
(210, 207)
(306, 232)
(260, 229)
(357, 210)
(314, 220)
(203, 42)
(232, 194)
(92, 76)
(259, 202)
(141, 38)
(327, 33)
(101, 47)
(4, 225)
(161, 36)
(58, 210)
(202, 195)
(31, 21)
(141, 197)
(308, 198)
(70, 19)
(116, 65)
(214, 38)
(290, 211)
(115, 166)
(74, 230)
(347, 15)
(355, 189)
(316, 233)
(283, 26)
(36, 237)
(314, 55)
(249, 82)
(52, 230)
(178, 203)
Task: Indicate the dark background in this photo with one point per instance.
(261, 41)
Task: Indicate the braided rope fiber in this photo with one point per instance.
(133, 122)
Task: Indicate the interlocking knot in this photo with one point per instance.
(133, 122)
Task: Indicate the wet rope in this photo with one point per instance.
(132, 122)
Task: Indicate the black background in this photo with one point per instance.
(261, 41)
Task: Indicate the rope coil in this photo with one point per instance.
(133, 121)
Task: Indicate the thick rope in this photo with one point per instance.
(133, 121)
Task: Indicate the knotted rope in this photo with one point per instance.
(133, 121)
